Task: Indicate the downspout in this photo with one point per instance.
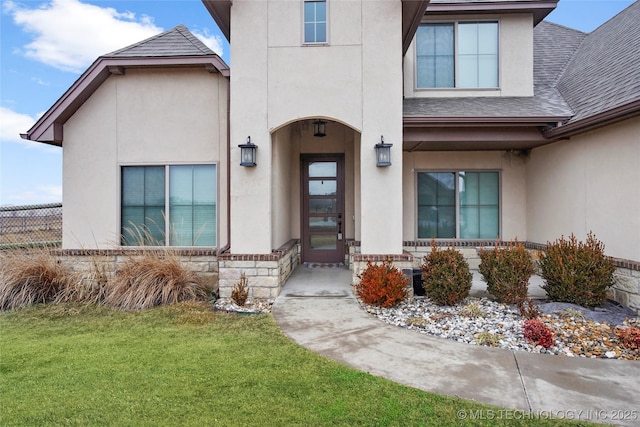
(228, 245)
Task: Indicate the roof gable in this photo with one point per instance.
(178, 41)
(173, 48)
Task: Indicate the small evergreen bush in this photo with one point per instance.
(382, 285)
(445, 276)
(538, 333)
(577, 272)
(507, 272)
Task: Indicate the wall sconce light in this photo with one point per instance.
(383, 153)
(320, 128)
(248, 153)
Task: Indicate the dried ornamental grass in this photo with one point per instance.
(32, 277)
(153, 280)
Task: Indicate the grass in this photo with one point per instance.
(66, 364)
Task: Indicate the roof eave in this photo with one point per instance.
(540, 9)
(412, 13)
(220, 11)
(49, 128)
(605, 118)
(478, 121)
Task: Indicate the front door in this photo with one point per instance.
(322, 208)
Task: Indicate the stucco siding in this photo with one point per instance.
(588, 183)
(90, 173)
(515, 58)
(512, 170)
(278, 81)
(144, 117)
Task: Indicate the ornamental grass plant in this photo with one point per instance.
(152, 279)
(30, 277)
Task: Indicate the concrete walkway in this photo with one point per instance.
(317, 310)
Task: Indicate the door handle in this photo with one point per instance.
(339, 226)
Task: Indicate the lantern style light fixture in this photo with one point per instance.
(248, 153)
(383, 153)
(320, 128)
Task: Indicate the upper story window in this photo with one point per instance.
(457, 55)
(315, 21)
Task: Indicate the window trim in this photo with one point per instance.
(167, 178)
(303, 41)
(457, 203)
(455, 23)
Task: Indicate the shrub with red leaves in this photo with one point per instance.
(382, 285)
(629, 337)
(538, 333)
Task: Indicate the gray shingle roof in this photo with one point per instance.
(548, 104)
(553, 48)
(178, 41)
(605, 71)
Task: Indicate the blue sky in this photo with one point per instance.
(47, 44)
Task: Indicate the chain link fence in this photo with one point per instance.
(31, 225)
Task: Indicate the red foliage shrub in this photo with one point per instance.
(382, 285)
(538, 333)
(629, 337)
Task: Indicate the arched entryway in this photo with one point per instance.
(315, 199)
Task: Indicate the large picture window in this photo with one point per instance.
(459, 204)
(457, 55)
(315, 22)
(169, 205)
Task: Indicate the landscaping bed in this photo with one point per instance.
(577, 331)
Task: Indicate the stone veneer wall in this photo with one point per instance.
(266, 273)
(107, 261)
(625, 291)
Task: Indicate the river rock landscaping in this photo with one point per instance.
(578, 332)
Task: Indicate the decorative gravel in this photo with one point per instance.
(251, 306)
(480, 321)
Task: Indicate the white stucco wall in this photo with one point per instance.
(515, 59)
(513, 200)
(146, 116)
(588, 183)
(276, 80)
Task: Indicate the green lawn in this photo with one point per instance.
(186, 366)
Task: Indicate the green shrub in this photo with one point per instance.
(382, 285)
(507, 272)
(577, 272)
(445, 276)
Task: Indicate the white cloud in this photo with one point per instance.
(213, 42)
(12, 124)
(69, 34)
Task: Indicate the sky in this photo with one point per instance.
(46, 45)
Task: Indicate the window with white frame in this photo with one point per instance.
(458, 204)
(315, 21)
(169, 205)
(457, 55)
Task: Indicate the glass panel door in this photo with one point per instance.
(322, 210)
